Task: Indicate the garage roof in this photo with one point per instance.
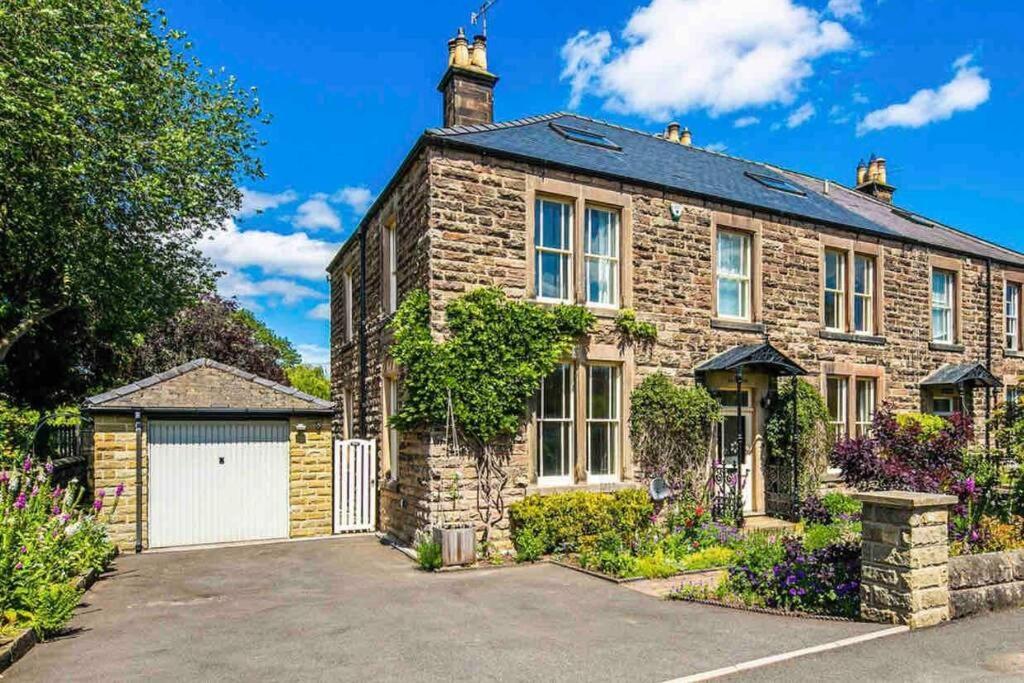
(204, 385)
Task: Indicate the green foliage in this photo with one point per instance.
(815, 440)
(496, 356)
(309, 379)
(53, 605)
(529, 546)
(840, 505)
(818, 536)
(287, 356)
(929, 425)
(118, 151)
(570, 522)
(758, 552)
(637, 330)
(655, 566)
(670, 428)
(428, 553)
(709, 558)
(46, 540)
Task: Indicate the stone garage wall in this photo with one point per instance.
(982, 583)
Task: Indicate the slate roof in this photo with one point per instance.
(762, 355)
(962, 373)
(650, 159)
(120, 392)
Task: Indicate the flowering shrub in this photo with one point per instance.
(822, 581)
(46, 540)
(690, 528)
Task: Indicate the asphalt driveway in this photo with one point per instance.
(352, 609)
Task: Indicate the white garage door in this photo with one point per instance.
(217, 481)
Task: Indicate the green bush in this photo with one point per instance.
(757, 553)
(428, 553)
(656, 566)
(529, 547)
(53, 606)
(709, 558)
(571, 522)
(840, 504)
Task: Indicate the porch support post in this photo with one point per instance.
(742, 455)
(796, 445)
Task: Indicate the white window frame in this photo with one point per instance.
(347, 428)
(862, 423)
(943, 413)
(591, 257)
(744, 277)
(391, 256)
(841, 422)
(393, 435)
(569, 419)
(565, 254)
(947, 335)
(839, 291)
(613, 423)
(1012, 311)
(865, 298)
(349, 318)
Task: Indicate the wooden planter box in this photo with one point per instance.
(458, 545)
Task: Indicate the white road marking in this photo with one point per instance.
(775, 659)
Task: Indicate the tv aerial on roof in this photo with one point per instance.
(481, 16)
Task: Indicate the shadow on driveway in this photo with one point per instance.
(352, 609)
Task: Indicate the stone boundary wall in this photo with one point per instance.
(983, 583)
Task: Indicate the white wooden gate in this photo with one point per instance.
(355, 485)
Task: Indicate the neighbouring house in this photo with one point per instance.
(748, 270)
(209, 453)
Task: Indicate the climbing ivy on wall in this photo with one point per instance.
(485, 371)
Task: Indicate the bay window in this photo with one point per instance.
(733, 275)
(943, 306)
(552, 238)
(601, 256)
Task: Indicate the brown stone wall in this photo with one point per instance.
(403, 504)
(477, 210)
(983, 583)
(113, 462)
(311, 479)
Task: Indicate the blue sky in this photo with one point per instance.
(932, 85)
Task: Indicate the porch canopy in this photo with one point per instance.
(761, 357)
(964, 375)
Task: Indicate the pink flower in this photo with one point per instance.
(27, 465)
(22, 550)
(20, 502)
(48, 467)
(101, 493)
(97, 504)
(119, 490)
(4, 477)
(35, 489)
(55, 511)
(64, 518)
(18, 566)
(57, 491)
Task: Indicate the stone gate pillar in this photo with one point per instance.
(905, 554)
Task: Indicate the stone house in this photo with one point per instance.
(729, 258)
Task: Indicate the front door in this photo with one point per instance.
(732, 427)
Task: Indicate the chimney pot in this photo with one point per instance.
(862, 172)
(467, 86)
(478, 53)
(873, 180)
(461, 49)
(880, 174)
(672, 132)
(686, 138)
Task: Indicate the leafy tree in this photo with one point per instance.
(310, 379)
(670, 429)
(813, 428)
(213, 328)
(117, 152)
(483, 375)
(288, 357)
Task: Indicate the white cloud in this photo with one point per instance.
(746, 121)
(716, 147)
(680, 55)
(356, 198)
(800, 115)
(967, 91)
(841, 9)
(859, 98)
(288, 292)
(837, 114)
(254, 202)
(314, 354)
(320, 311)
(294, 255)
(316, 213)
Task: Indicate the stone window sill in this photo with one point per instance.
(854, 338)
(1010, 353)
(946, 348)
(533, 489)
(737, 325)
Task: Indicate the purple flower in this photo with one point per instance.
(22, 550)
(120, 489)
(64, 518)
(101, 493)
(55, 511)
(4, 477)
(56, 492)
(969, 486)
(48, 467)
(20, 502)
(35, 489)
(19, 565)
(27, 465)
(97, 504)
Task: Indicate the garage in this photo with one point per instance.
(212, 454)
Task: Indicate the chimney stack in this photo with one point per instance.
(467, 86)
(873, 179)
(685, 138)
(672, 132)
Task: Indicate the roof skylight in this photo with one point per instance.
(914, 218)
(585, 136)
(776, 183)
